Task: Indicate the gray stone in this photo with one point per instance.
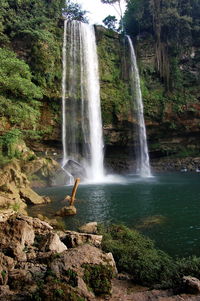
(89, 228)
(70, 210)
(53, 243)
(73, 239)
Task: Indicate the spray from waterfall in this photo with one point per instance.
(143, 163)
(82, 135)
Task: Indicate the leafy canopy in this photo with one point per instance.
(110, 22)
(15, 77)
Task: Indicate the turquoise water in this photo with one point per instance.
(173, 199)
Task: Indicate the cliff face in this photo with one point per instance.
(172, 116)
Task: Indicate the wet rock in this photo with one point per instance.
(89, 228)
(75, 169)
(70, 210)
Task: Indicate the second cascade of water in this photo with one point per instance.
(82, 135)
(143, 163)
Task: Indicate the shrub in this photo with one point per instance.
(137, 256)
(98, 278)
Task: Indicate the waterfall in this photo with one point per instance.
(143, 164)
(82, 134)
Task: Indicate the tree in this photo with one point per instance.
(110, 22)
(73, 11)
(118, 8)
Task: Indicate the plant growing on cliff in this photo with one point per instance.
(9, 142)
(172, 25)
(15, 78)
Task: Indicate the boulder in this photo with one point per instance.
(45, 166)
(29, 257)
(192, 284)
(75, 169)
(19, 233)
(53, 243)
(90, 267)
(15, 190)
(40, 227)
(70, 210)
(31, 197)
(89, 228)
(60, 178)
(73, 239)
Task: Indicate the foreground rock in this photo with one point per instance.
(38, 264)
(192, 284)
(73, 239)
(32, 253)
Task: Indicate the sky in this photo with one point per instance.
(97, 10)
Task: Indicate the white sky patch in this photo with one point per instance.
(98, 11)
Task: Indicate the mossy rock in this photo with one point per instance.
(98, 278)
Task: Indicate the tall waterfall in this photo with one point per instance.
(143, 164)
(82, 135)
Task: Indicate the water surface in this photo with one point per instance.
(166, 208)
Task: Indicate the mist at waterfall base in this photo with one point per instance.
(171, 198)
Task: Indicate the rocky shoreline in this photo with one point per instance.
(191, 164)
(38, 263)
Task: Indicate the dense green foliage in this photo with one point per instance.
(31, 34)
(115, 94)
(174, 26)
(19, 94)
(136, 255)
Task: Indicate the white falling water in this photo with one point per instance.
(64, 93)
(96, 170)
(82, 135)
(143, 164)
